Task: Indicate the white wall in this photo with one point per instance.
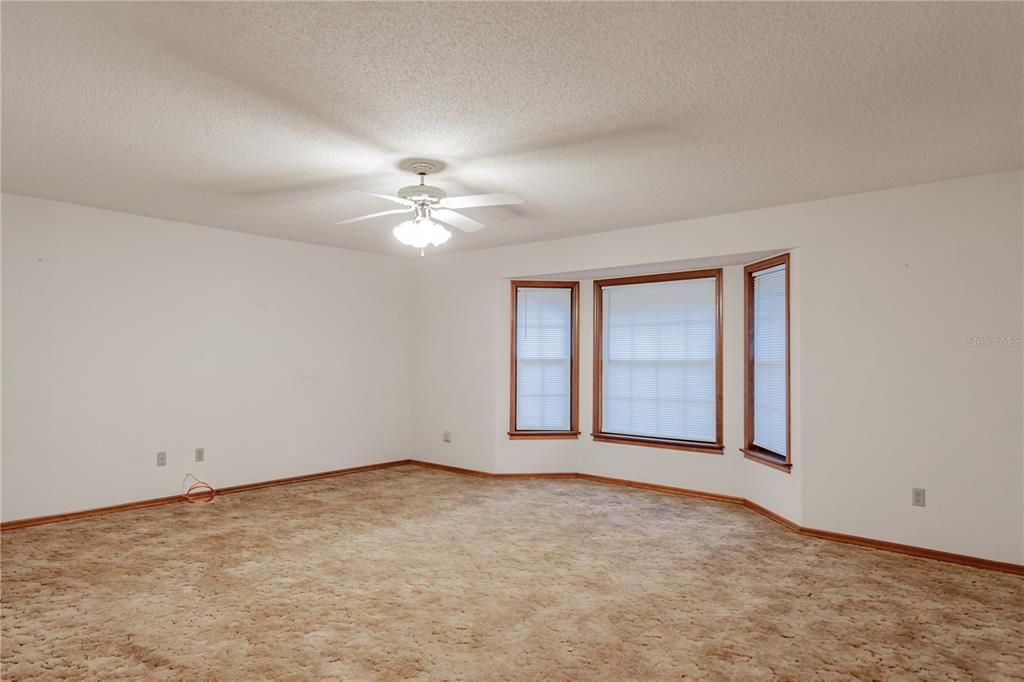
(125, 335)
(888, 392)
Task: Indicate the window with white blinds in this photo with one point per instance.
(543, 385)
(659, 351)
(768, 358)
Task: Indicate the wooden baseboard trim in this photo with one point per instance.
(86, 513)
(687, 492)
(777, 518)
(172, 499)
(486, 474)
(245, 487)
(870, 543)
(911, 550)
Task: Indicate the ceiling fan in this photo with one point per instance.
(432, 206)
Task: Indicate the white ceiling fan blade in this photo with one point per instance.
(373, 215)
(457, 220)
(476, 200)
(389, 197)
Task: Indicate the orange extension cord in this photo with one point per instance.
(199, 492)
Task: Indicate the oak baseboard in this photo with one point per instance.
(86, 513)
(172, 499)
(911, 550)
(245, 487)
(487, 474)
(658, 488)
(870, 543)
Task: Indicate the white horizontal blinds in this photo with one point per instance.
(769, 356)
(658, 359)
(543, 358)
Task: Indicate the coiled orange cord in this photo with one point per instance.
(199, 492)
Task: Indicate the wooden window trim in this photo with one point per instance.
(574, 364)
(750, 451)
(690, 446)
(766, 457)
(715, 448)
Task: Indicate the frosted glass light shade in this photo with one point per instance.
(421, 232)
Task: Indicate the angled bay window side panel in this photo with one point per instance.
(657, 360)
(544, 376)
(767, 363)
(770, 360)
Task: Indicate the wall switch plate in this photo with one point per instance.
(917, 497)
(161, 459)
(200, 454)
(447, 436)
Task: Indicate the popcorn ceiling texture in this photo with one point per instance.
(410, 573)
(252, 116)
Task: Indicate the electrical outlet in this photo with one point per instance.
(917, 497)
(161, 459)
(200, 454)
(447, 436)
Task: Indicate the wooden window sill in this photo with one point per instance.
(767, 458)
(543, 435)
(707, 448)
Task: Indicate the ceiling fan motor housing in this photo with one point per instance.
(422, 194)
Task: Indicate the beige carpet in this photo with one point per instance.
(411, 573)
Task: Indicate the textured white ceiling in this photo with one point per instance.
(254, 116)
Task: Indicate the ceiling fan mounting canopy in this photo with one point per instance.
(422, 166)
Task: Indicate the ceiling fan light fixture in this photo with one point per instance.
(428, 201)
(420, 233)
(441, 235)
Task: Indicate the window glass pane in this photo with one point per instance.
(543, 358)
(659, 349)
(769, 356)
